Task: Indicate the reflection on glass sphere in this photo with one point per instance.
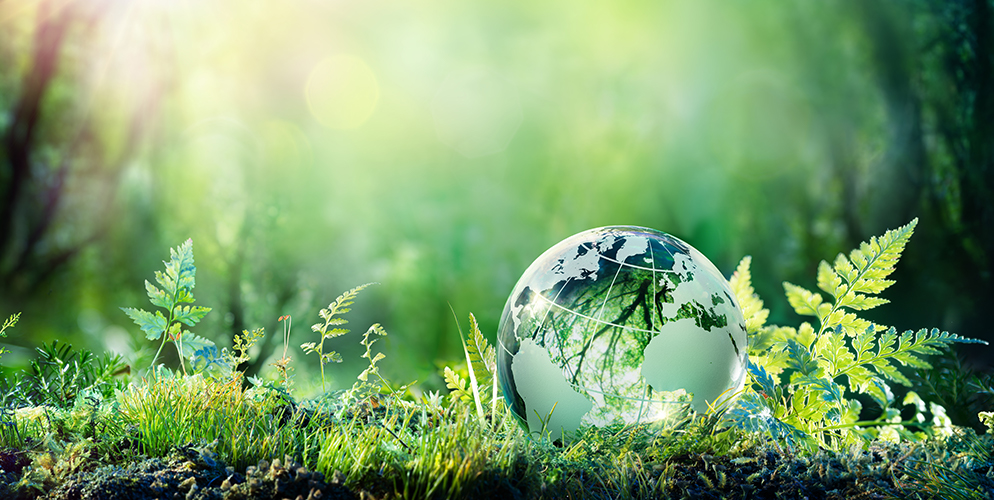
(609, 325)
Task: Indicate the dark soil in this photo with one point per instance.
(884, 471)
(188, 474)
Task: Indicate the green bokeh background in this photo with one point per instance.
(473, 136)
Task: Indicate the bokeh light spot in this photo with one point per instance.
(342, 92)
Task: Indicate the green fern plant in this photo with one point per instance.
(176, 297)
(8, 323)
(363, 388)
(845, 355)
(331, 328)
(479, 386)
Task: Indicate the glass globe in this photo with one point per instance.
(609, 325)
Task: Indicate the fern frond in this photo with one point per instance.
(177, 284)
(338, 307)
(906, 349)
(368, 343)
(806, 302)
(457, 385)
(752, 306)
(152, 324)
(8, 323)
(481, 355)
(190, 315)
(851, 282)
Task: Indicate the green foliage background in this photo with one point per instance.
(785, 130)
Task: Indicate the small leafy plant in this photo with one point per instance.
(481, 372)
(283, 364)
(845, 355)
(331, 328)
(176, 297)
(8, 323)
(61, 374)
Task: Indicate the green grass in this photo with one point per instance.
(71, 413)
(392, 446)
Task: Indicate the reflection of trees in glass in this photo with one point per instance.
(597, 329)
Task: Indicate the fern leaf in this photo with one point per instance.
(338, 307)
(457, 385)
(861, 302)
(828, 391)
(209, 360)
(190, 315)
(752, 306)
(829, 280)
(167, 283)
(806, 334)
(909, 347)
(891, 372)
(832, 350)
(874, 261)
(766, 382)
(752, 414)
(331, 357)
(804, 302)
(152, 324)
(180, 267)
(799, 358)
(335, 332)
(191, 343)
(863, 343)
(481, 354)
(860, 378)
(156, 296)
(341, 303)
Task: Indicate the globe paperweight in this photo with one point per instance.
(612, 326)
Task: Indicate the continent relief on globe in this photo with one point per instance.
(603, 325)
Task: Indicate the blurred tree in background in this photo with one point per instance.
(439, 147)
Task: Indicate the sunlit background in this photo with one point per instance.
(438, 147)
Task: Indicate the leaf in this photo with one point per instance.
(156, 296)
(751, 414)
(331, 357)
(457, 385)
(750, 303)
(766, 382)
(799, 358)
(209, 360)
(829, 280)
(481, 355)
(908, 349)
(827, 390)
(152, 324)
(844, 268)
(191, 343)
(863, 343)
(833, 351)
(190, 315)
(180, 266)
(802, 300)
(806, 334)
(167, 283)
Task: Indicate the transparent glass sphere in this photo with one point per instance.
(609, 325)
